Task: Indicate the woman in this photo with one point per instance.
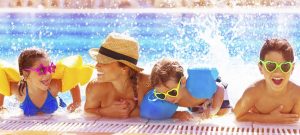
(120, 85)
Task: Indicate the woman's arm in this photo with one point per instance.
(96, 93)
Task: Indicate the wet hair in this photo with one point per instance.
(26, 60)
(279, 45)
(164, 70)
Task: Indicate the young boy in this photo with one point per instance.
(169, 82)
(274, 99)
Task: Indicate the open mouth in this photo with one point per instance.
(277, 80)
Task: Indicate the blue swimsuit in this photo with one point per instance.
(48, 107)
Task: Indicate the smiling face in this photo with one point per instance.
(37, 80)
(29, 62)
(276, 80)
(108, 72)
(165, 76)
(276, 55)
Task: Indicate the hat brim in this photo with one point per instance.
(94, 53)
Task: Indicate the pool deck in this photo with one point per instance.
(226, 10)
(76, 124)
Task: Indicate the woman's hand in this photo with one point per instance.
(130, 104)
(118, 109)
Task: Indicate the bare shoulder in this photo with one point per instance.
(295, 89)
(254, 89)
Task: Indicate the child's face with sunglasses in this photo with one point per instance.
(276, 70)
(40, 74)
(169, 91)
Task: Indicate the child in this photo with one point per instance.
(167, 74)
(37, 91)
(274, 99)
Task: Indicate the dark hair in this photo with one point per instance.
(26, 60)
(279, 45)
(164, 70)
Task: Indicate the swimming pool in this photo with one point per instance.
(227, 39)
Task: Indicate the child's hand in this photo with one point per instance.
(2, 108)
(73, 106)
(277, 117)
(206, 114)
(182, 115)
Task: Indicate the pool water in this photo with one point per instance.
(230, 41)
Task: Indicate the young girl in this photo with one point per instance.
(37, 91)
(169, 82)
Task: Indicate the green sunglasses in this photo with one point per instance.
(171, 93)
(271, 66)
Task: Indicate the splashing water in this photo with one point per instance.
(228, 41)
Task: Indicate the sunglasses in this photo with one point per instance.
(171, 93)
(271, 66)
(42, 70)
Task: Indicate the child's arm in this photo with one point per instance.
(217, 100)
(247, 102)
(185, 98)
(56, 87)
(75, 92)
(1, 102)
(296, 108)
(274, 117)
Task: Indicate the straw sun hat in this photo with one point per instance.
(120, 48)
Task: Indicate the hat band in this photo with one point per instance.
(117, 56)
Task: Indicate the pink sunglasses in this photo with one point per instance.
(42, 70)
